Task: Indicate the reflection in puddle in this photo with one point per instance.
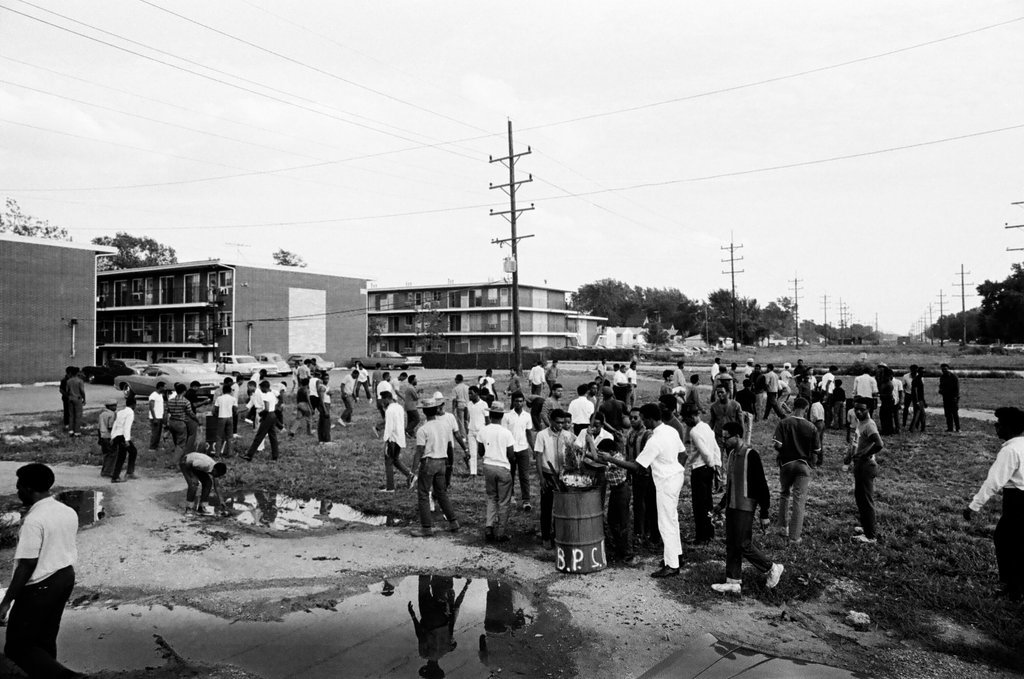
(429, 626)
(88, 504)
(281, 512)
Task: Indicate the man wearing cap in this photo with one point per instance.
(106, 422)
(1007, 474)
(121, 440)
(434, 446)
(519, 422)
(44, 575)
(497, 445)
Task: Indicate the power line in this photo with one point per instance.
(775, 79)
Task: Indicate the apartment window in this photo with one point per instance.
(192, 333)
(138, 290)
(225, 278)
(505, 297)
(454, 299)
(492, 321)
(138, 323)
(211, 280)
(150, 284)
(166, 328)
(492, 296)
(417, 298)
(104, 294)
(455, 323)
(120, 293)
(376, 302)
(165, 291)
(474, 298)
(192, 292)
(224, 322)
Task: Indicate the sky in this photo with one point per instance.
(867, 150)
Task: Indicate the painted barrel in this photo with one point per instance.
(579, 532)
(211, 429)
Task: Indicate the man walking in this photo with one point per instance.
(121, 441)
(394, 442)
(106, 423)
(723, 410)
(225, 408)
(949, 390)
(745, 490)
(178, 413)
(796, 441)
(497, 443)
(460, 401)
(410, 397)
(865, 469)
(156, 414)
(704, 460)
(44, 575)
(537, 377)
(551, 376)
(476, 414)
(519, 422)
(434, 446)
(772, 388)
(349, 384)
(266, 415)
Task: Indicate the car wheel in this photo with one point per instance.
(126, 389)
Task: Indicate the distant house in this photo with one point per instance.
(695, 341)
(621, 337)
(47, 307)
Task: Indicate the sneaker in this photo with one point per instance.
(857, 530)
(864, 539)
(343, 423)
(527, 507)
(384, 489)
(730, 586)
(665, 572)
(774, 574)
(422, 532)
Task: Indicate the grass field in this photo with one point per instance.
(928, 567)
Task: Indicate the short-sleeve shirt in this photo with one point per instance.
(580, 410)
(461, 394)
(157, 399)
(435, 436)
(864, 431)
(225, 405)
(48, 534)
(702, 437)
(384, 387)
(550, 449)
(477, 415)
(817, 412)
(410, 395)
(661, 453)
(518, 424)
(799, 440)
(497, 440)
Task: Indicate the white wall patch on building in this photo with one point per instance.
(307, 321)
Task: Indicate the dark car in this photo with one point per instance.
(115, 367)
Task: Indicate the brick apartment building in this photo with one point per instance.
(206, 308)
(474, 317)
(47, 307)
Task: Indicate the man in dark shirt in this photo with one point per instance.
(838, 406)
(949, 390)
(613, 409)
(75, 388)
(745, 397)
(645, 511)
(798, 447)
(668, 405)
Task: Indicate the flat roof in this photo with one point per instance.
(440, 286)
(222, 263)
(34, 240)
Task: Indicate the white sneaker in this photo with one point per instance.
(864, 539)
(857, 530)
(730, 586)
(774, 574)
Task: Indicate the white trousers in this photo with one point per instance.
(666, 493)
(471, 444)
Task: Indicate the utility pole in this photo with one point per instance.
(732, 248)
(1014, 226)
(796, 308)
(942, 334)
(963, 304)
(512, 215)
(842, 320)
(931, 324)
(824, 308)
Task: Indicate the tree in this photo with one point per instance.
(656, 334)
(611, 298)
(429, 325)
(285, 258)
(374, 329)
(133, 251)
(12, 219)
(1002, 308)
(671, 307)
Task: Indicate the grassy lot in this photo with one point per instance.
(901, 357)
(928, 566)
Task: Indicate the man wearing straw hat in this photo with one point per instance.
(429, 466)
(498, 446)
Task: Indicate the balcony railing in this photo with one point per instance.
(192, 294)
(171, 332)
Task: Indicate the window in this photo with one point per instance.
(120, 293)
(192, 291)
(376, 302)
(192, 333)
(149, 291)
(104, 299)
(492, 322)
(455, 323)
(138, 323)
(165, 291)
(417, 299)
(224, 323)
(492, 296)
(454, 299)
(474, 298)
(211, 280)
(138, 290)
(225, 278)
(166, 328)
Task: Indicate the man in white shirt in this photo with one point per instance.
(156, 415)
(456, 435)
(383, 386)
(497, 444)
(487, 382)
(429, 468)
(704, 461)
(580, 409)
(225, 407)
(1006, 474)
(460, 401)
(44, 576)
(537, 377)
(772, 386)
(716, 368)
(520, 423)
(394, 440)
(865, 386)
(679, 378)
(632, 382)
(121, 440)
(828, 382)
(620, 383)
(550, 446)
(348, 395)
(661, 454)
(362, 382)
(476, 414)
(202, 471)
(266, 415)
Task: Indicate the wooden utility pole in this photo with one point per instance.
(512, 215)
(732, 248)
(963, 304)
(796, 308)
(824, 309)
(942, 333)
(931, 324)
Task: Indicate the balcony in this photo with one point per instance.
(193, 295)
(170, 332)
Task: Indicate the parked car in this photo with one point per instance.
(273, 364)
(1018, 348)
(389, 360)
(144, 384)
(238, 364)
(295, 359)
(106, 373)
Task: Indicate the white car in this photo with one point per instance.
(273, 364)
(239, 365)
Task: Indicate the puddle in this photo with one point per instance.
(426, 625)
(284, 513)
(87, 503)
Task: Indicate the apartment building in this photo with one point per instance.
(47, 307)
(206, 308)
(473, 317)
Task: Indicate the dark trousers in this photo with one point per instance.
(864, 473)
(520, 461)
(547, 502)
(951, 409)
(194, 479)
(577, 428)
(179, 434)
(1009, 539)
(645, 509)
(393, 461)
(156, 430)
(621, 392)
(771, 405)
(346, 414)
(412, 418)
(125, 450)
(76, 406)
(906, 407)
(34, 623)
(67, 410)
(224, 437)
(323, 424)
(268, 429)
(739, 544)
(109, 457)
(620, 541)
(191, 432)
(702, 482)
(432, 471)
(535, 389)
(889, 423)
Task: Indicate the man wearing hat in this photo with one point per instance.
(497, 444)
(434, 446)
(1007, 474)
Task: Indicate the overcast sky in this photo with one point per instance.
(363, 143)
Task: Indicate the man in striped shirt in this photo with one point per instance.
(179, 413)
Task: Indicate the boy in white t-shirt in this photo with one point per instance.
(224, 406)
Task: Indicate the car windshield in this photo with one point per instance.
(245, 359)
(186, 369)
(390, 354)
